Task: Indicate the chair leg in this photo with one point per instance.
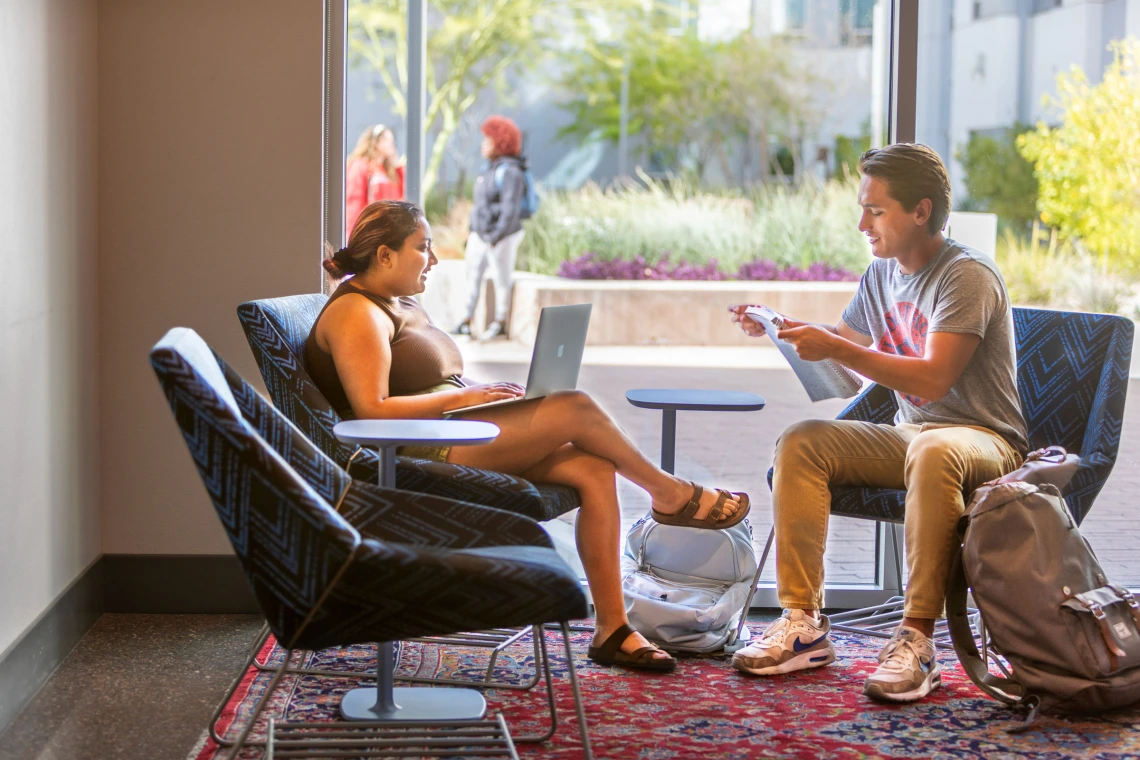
(262, 637)
(481, 639)
(752, 588)
(240, 742)
(898, 540)
(541, 655)
(587, 751)
(487, 682)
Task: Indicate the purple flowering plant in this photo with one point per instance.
(590, 266)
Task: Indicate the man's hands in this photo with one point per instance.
(930, 376)
(811, 342)
(749, 325)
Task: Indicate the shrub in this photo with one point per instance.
(651, 222)
(998, 179)
(1088, 167)
(1061, 275)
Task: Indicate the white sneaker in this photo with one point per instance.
(794, 642)
(908, 668)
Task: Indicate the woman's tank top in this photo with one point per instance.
(423, 356)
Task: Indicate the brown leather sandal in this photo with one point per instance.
(711, 521)
(609, 653)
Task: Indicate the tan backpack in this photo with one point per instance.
(1071, 638)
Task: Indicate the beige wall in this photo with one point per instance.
(48, 484)
(209, 194)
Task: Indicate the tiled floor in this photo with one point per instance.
(137, 687)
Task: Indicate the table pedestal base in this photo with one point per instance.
(415, 704)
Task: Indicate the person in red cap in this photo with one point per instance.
(496, 222)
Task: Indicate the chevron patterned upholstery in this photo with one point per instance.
(394, 565)
(1072, 376)
(277, 328)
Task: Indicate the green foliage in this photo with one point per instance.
(999, 179)
(814, 222)
(785, 161)
(1044, 270)
(693, 100)
(1088, 168)
(664, 94)
(848, 151)
(469, 50)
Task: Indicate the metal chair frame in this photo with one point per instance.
(491, 732)
(496, 640)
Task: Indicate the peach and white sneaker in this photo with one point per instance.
(908, 668)
(795, 641)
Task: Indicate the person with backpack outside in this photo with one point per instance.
(501, 201)
(373, 173)
(932, 321)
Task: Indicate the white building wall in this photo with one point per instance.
(984, 73)
(932, 121)
(719, 20)
(1072, 35)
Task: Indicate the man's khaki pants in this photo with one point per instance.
(937, 465)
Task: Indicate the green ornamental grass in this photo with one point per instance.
(656, 220)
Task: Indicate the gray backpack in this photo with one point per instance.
(1071, 638)
(685, 588)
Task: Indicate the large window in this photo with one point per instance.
(715, 142)
(1029, 115)
(709, 141)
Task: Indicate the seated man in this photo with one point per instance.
(932, 321)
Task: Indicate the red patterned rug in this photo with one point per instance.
(706, 709)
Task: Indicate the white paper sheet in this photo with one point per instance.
(822, 380)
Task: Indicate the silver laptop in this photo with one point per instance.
(557, 355)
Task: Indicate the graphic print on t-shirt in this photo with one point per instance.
(905, 336)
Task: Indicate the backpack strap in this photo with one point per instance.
(1006, 690)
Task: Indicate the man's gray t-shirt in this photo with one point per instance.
(959, 291)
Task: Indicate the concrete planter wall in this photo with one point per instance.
(640, 312)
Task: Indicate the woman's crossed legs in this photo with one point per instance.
(566, 438)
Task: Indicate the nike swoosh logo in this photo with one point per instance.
(799, 646)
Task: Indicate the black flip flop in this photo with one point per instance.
(609, 653)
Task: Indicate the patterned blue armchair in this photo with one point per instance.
(277, 328)
(381, 565)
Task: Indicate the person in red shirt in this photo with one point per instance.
(373, 173)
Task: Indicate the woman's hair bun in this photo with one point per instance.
(338, 264)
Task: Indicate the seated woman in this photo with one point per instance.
(375, 354)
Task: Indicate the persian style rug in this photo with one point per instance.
(706, 709)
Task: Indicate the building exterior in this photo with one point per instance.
(986, 65)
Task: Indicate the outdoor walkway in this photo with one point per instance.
(734, 451)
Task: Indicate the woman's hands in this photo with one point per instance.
(488, 392)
